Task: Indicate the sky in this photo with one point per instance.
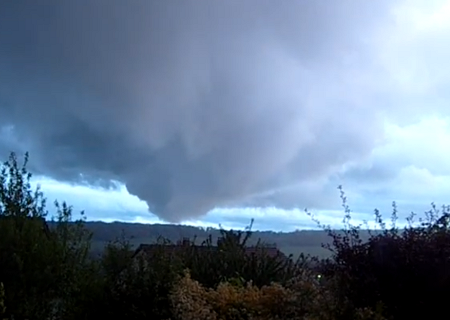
(206, 112)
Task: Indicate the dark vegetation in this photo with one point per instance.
(47, 270)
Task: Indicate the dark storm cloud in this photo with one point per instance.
(191, 104)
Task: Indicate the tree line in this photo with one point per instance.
(47, 273)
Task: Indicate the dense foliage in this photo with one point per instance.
(46, 272)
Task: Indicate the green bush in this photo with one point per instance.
(404, 270)
(41, 268)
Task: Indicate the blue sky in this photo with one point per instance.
(218, 112)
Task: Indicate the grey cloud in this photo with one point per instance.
(191, 104)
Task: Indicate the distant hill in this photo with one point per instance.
(305, 241)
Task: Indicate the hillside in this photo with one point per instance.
(305, 241)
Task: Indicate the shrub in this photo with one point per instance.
(211, 265)
(303, 298)
(404, 270)
(40, 267)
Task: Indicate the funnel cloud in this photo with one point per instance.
(193, 105)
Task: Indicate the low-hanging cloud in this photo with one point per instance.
(193, 104)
